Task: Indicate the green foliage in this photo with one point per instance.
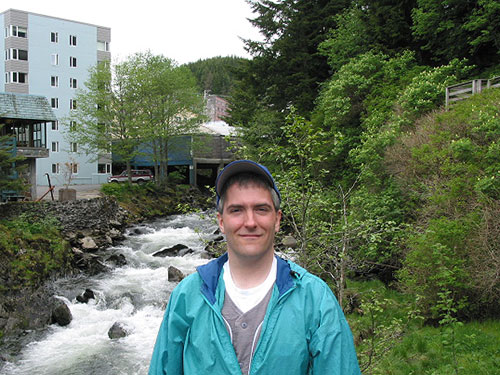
(170, 105)
(10, 165)
(32, 251)
(217, 74)
(458, 29)
(369, 26)
(105, 119)
(286, 68)
(391, 339)
(149, 200)
(436, 262)
(427, 350)
(146, 99)
(449, 168)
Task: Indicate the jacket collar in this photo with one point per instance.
(211, 271)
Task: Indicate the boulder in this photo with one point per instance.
(61, 314)
(174, 274)
(115, 234)
(117, 331)
(86, 296)
(186, 251)
(117, 259)
(88, 243)
(289, 242)
(170, 251)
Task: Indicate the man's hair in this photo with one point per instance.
(245, 179)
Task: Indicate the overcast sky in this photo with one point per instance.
(183, 30)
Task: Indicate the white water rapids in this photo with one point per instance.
(134, 294)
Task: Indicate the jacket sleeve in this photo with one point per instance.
(168, 350)
(332, 346)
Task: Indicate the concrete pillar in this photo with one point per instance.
(192, 174)
(32, 177)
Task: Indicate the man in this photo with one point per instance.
(250, 312)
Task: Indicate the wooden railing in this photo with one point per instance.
(463, 90)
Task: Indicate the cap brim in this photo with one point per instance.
(241, 166)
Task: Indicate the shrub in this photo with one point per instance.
(449, 168)
(32, 250)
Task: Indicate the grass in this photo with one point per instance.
(391, 338)
(31, 251)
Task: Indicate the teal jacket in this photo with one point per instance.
(304, 330)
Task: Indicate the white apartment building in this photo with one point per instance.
(51, 57)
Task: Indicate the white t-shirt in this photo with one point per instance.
(246, 299)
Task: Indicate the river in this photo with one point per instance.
(134, 294)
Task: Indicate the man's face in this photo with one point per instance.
(249, 221)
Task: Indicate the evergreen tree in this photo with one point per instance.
(217, 74)
(9, 165)
(458, 29)
(286, 68)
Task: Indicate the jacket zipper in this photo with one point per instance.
(267, 315)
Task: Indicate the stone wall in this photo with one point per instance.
(89, 225)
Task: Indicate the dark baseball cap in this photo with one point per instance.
(243, 166)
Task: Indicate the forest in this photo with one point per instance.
(393, 197)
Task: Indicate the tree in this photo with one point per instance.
(104, 120)
(286, 68)
(379, 26)
(9, 164)
(145, 100)
(170, 105)
(458, 29)
(216, 74)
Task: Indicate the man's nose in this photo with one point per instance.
(250, 219)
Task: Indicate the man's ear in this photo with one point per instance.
(220, 222)
(278, 220)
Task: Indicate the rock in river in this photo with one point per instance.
(61, 314)
(177, 250)
(118, 330)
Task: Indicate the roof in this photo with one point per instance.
(57, 18)
(25, 107)
(217, 128)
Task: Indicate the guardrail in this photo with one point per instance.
(464, 90)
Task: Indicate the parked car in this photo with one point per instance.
(138, 175)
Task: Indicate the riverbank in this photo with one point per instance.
(51, 239)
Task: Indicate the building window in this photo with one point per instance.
(54, 37)
(72, 104)
(72, 40)
(72, 62)
(55, 168)
(54, 59)
(19, 31)
(16, 77)
(73, 168)
(54, 81)
(73, 83)
(73, 147)
(16, 54)
(104, 168)
(55, 146)
(102, 46)
(54, 102)
(55, 125)
(72, 126)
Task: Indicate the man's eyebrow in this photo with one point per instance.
(258, 205)
(263, 205)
